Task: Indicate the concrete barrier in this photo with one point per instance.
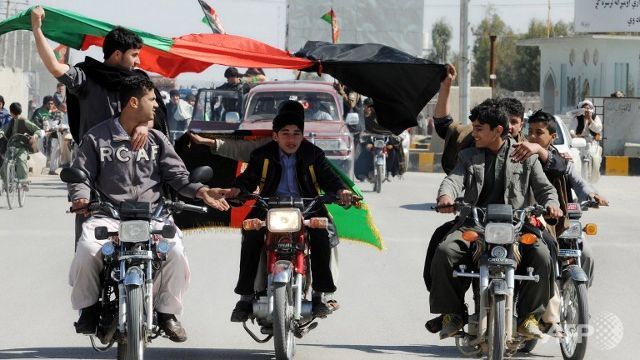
(620, 166)
(423, 160)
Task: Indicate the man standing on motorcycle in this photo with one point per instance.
(485, 175)
(288, 166)
(120, 173)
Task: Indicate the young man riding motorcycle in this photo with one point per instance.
(107, 156)
(485, 175)
(288, 166)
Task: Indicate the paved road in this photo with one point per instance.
(384, 302)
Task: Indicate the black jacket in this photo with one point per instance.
(308, 157)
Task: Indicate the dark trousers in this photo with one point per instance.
(251, 250)
(436, 239)
(447, 292)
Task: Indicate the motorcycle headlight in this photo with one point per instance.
(499, 233)
(108, 249)
(574, 230)
(330, 144)
(379, 143)
(134, 231)
(284, 220)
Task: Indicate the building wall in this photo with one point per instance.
(14, 87)
(607, 64)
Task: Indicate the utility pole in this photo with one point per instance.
(464, 70)
(492, 66)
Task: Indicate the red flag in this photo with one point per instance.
(211, 18)
(331, 18)
(62, 54)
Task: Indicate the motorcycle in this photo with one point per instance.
(379, 151)
(136, 251)
(284, 310)
(573, 284)
(497, 231)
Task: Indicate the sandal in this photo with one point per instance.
(333, 304)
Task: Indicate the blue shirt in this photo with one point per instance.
(5, 116)
(288, 185)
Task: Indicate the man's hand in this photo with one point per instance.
(554, 212)
(445, 205)
(80, 207)
(37, 16)
(451, 76)
(524, 150)
(33, 140)
(602, 201)
(202, 140)
(213, 197)
(139, 138)
(346, 197)
(567, 156)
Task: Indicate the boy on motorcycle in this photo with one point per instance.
(485, 175)
(120, 174)
(288, 166)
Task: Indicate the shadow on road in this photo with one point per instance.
(422, 350)
(419, 207)
(150, 353)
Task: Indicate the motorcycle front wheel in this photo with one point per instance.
(379, 177)
(283, 340)
(133, 347)
(574, 319)
(496, 351)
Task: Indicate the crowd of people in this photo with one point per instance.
(117, 112)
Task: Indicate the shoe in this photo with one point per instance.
(88, 321)
(242, 311)
(530, 328)
(554, 330)
(172, 327)
(451, 324)
(321, 308)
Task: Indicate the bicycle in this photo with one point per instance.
(11, 185)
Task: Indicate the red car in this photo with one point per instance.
(324, 123)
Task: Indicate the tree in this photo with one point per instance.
(492, 24)
(440, 37)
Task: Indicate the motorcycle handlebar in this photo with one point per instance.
(181, 206)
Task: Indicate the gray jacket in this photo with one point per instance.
(524, 182)
(121, 174)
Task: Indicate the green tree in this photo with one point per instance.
(440, 37)
(492, 24)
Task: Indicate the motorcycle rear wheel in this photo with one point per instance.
(379, 176)
(283, 339)
(496, 351)
(574, 318)
(133, 348)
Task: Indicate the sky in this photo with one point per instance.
(257, 19)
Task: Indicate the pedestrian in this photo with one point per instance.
(5, 116)
(60, 95)
(178, 115)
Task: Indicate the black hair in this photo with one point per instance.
(546, 118)
(513, 107)
(174, 92)
(490, 112)
(291, 106)
(15, 108)
(231, 72)
(46, 99)
(133, 86)
(2, 100)
(120, 39)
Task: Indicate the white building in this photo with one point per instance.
(572, 68)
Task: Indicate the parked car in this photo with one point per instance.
(324, 122)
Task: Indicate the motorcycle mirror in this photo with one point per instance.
(201, 174)
(73, 175)
(101, 233)
(578, 142)
(168, 231)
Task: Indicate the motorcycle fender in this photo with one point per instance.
(575, 272)
(499, 287)
(134, 276)
(379, 160)
(282, 272)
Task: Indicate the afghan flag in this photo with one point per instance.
(354, 223)
(62, 54)
(211, 18)
(330, 17)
